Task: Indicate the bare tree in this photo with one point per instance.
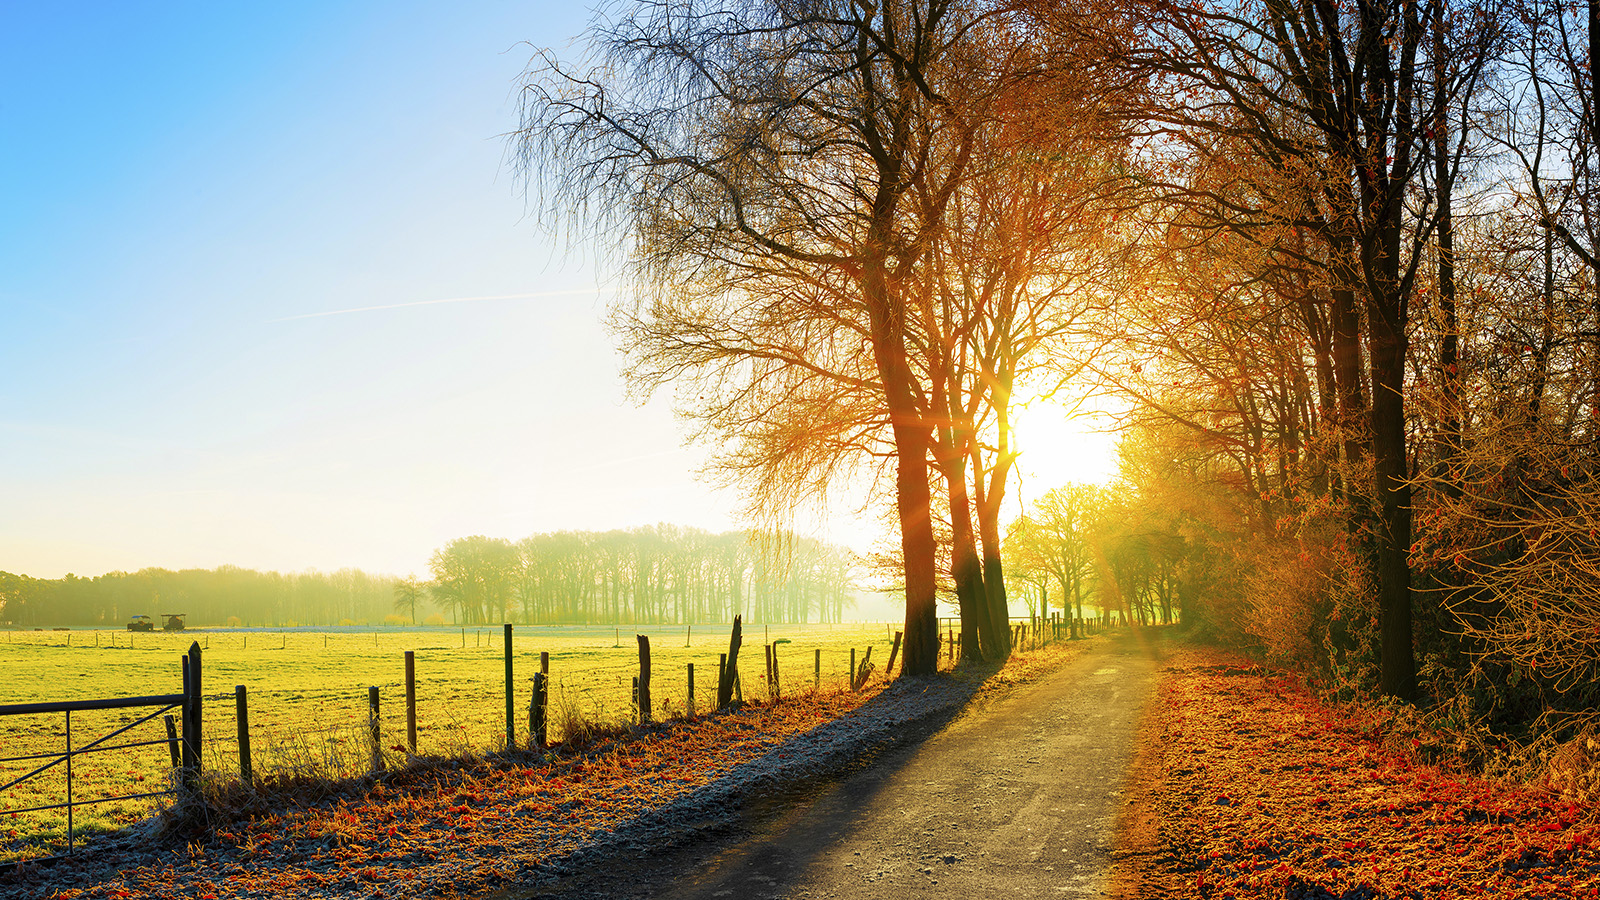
(773, 171)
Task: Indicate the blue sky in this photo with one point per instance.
(192, 194)
(185, 186)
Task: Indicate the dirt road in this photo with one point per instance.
(1017, 797)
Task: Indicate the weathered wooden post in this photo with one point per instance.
(372, 729)
(190, 778)
(816, 673)
(242, 719)
(894, 651)
(730, 668)
(771, 684)
(644, 679)
(689, 706)
(537, 707)
(539, 704)
(859, 680)
(172, 742)
(411, 702)
(777, 689)
(511, 700)
(852, 668)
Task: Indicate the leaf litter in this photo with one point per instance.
(1248, 786)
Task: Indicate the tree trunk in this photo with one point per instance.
(987, 502)
(912, 439)
(1449, 342)
(1397, 677)
(965, 568)
(917, 547)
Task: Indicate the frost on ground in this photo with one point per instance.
(822, 751)
(478, 826)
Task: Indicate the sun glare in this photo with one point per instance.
(1060, 445)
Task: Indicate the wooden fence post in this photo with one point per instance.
(544, 662)
(770, 683)
(816, 674)
(172, 742)
(190, 778)
(511, 702)
(242, 717)
(644, 679)
(894, 651)
(536, 711)
(859, 679)
(730, 669)
(372, 729)
(852, 668)
(411, 702)
(777, 689)
(689, 706)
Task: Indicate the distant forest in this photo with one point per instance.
(659, 574)
(656, 574)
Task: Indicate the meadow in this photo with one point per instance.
(308, 698)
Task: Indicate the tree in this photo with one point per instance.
(775, 171)
(1064, 515)
(408, 592)
(474, 574)
(1335, 96)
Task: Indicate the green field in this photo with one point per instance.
(308, 697)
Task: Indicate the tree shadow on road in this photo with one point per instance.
(823, 778)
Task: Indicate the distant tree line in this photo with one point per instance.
(657, 574)
(1095, 551)
(224, 595)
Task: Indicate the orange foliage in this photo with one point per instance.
(1260, 790)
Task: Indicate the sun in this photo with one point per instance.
(1058, 444)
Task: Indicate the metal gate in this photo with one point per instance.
(184, 749)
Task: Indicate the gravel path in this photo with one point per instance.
(904, 711)
(1017, 796)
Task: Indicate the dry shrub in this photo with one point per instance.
(1286, 605)
(581, 724)
(1573, 771)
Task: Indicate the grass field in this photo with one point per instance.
(308, 698)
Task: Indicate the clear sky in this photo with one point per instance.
(271, 297)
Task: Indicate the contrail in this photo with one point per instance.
(360, 309)
(627, 459)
